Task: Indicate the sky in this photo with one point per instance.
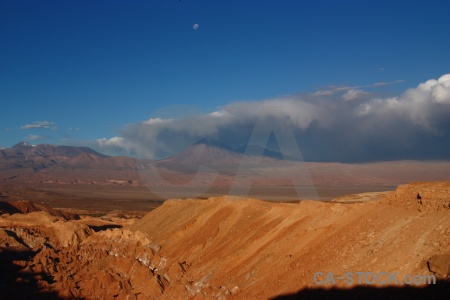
(349, 80)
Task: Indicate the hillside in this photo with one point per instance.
(255, 249)
(25, 207)
(233, 248)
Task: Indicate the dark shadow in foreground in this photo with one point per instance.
(15, 284)
(438, 291)
(8, 208)
(104, 227)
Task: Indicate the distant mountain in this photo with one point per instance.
(220, 157)
(25, 155)
(22, 145)
(46, 150)
(204, 152)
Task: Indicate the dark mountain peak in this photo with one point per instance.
(22, 145)
(258, 150)
(206, 151)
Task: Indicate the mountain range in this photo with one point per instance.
(26, 156)
(207, 152)
(81, 165)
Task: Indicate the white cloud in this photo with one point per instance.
(161, 137)
(323, 93)
(423, 105)
(40, 124)
(332, 89)
(218, 114)
(354, 94)
(35, 137)
(114, 141)
(152, 121)
(381, 83)
(326, 128)
(115, 145)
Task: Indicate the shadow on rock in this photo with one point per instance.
(103, 227)
(6, 207)
(17, 284)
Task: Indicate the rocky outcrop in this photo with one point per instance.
(38, 229)
(25, 207)
(125, 266)
(65, 255)
(439, 264)
(421, 196)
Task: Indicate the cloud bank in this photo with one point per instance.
(388, 83)
(35, 137)
(39, 124)
(351, 127)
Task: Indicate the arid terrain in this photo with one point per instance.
(228, 247)
(204, 169)
(77, 224)
(224, 150)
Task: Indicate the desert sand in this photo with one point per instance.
(229, 248)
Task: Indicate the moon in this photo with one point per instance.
(195, 26)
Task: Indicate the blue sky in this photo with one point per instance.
(74, 72)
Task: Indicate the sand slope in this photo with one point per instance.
(226, 248)
(254, 249)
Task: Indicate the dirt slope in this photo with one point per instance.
(225, 247)
(25, 207)
(38, 230)
(253, 249)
